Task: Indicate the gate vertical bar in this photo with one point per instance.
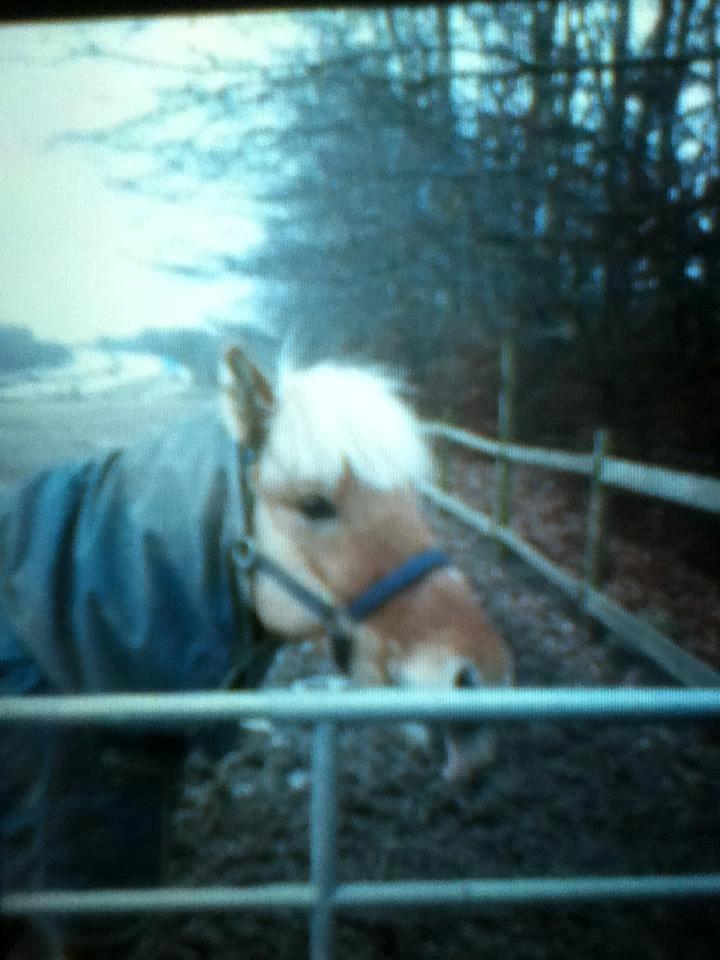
(506, 432)
(323, 825)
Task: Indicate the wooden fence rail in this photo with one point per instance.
(690, 490)
(687, 489)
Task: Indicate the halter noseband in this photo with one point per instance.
(337, 620)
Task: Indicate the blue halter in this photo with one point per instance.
(335, 618)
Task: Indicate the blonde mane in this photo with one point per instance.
(330, 416)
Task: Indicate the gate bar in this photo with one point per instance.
(323, 831)
(465, 893)
(359, 895)
(271, 897)
(377, 705)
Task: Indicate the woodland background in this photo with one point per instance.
(431, 178)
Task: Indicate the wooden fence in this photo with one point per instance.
(603, 471)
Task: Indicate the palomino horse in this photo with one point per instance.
(137, 572)
(335, 509)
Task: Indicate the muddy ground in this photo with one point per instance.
(562, 799)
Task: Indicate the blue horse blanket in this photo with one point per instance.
(115, 575)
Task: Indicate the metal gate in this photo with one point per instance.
(322, 896)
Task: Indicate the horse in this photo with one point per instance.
(295, 514)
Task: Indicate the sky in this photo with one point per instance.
(75, 256)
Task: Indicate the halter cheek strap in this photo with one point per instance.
(249, 561)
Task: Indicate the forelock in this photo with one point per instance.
(330, 416)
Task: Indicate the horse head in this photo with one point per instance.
(338, 457)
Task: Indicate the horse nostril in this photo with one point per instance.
(467, 678)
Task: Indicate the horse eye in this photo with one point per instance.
(318, 508)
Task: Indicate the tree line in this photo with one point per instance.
(434, 177)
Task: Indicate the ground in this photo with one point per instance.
(561, 799)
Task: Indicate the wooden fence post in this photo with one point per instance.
(442, 458)
(596, 546)
(506, 433)
(442, 453)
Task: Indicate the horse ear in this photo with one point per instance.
(246, 398)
